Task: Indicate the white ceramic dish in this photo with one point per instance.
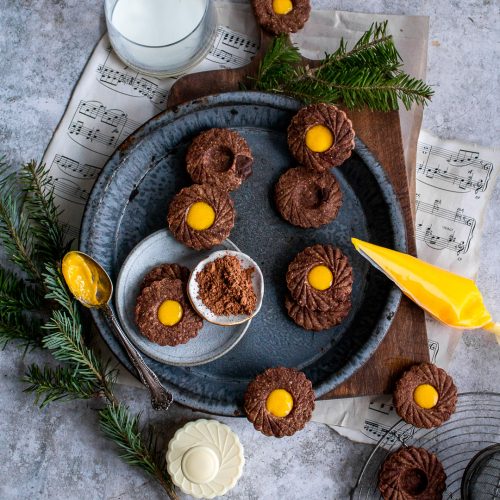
(212, 341)
(204, 311)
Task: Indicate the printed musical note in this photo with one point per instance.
(433, 350)
(98, 128)
(70, 191)
(461, 171)
(132, 84)
(74, 168)
(232, 49)
(440, 228)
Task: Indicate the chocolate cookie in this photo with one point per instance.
(147, 308)
(306, 198)
(207, 236)
(412, 473)
(285, 391)
(293, 17)
(219, 156)
(337, 142)
(298, 276)
(317, 320)
(170, 271)
(425, 396)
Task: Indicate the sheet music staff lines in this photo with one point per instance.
(231, 48)
(74, 168)
(453, 230)
(455, 171)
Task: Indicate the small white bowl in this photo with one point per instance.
(204, 311)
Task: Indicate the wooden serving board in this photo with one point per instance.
(406, 342)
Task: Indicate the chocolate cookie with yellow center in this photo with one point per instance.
(281, 16)
(412, 473)
(320, 136)
(317, 320)
(170, 271)
(306, 198)
(164, 314)
(201, 216)
(319, 278)
(279, 402)
(425, 396)
(219, 156)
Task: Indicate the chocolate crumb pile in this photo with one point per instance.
(226, 288)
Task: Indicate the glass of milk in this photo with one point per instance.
(161, 37)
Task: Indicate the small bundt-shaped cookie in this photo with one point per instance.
(276, 23)
(290, 380)
(414, 414)
(317, 320)
(411, 473)
(221, 157)
(307, 296)
(221, 203)
(333, 119)
(170, 271)
(146, 313)
(307, 198)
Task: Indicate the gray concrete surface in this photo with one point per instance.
(58, 453)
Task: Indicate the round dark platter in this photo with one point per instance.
(130, 199)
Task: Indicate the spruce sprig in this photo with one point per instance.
(121, 427)
(369, 74)
(42, 313)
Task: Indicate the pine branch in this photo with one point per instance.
(16, 296)
(17, 328)
(43, 213)
(15, 228)
(123, 429)
(61, 383)
(367, 75)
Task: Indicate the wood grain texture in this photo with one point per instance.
(406, 342)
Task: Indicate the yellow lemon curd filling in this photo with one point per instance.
(83, 278)
(170, 312)
(279, 403)
(320, 277)
(282, 6)
(319, 138)
(425, 396)
(200, 216)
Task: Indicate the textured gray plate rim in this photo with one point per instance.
(211, 343)
(111, 169)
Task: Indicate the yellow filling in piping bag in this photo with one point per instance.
(449, 297)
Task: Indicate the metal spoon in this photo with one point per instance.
(161, 399)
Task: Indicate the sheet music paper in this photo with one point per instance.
(454, 184)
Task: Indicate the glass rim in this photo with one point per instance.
(109, 21)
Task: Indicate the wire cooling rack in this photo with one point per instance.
(474, 426)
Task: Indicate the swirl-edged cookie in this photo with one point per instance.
(281, 16)
(279, 402)
(164, 314)
(201, 216)
(317, 320)
(425, 396)
(221, 157)
(307, 198)
(412, 473)
(170, 271)
(319, 277)
(320, 136)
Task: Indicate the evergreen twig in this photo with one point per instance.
(123, 428)
(367, 75)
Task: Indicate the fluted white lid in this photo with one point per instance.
(205, 458)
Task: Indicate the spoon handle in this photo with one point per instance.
(161, 399)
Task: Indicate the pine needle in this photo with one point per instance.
(367, 75)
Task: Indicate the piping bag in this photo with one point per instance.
(450, 298)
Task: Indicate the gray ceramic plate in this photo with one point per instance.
(212, 341)
(129, 202)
